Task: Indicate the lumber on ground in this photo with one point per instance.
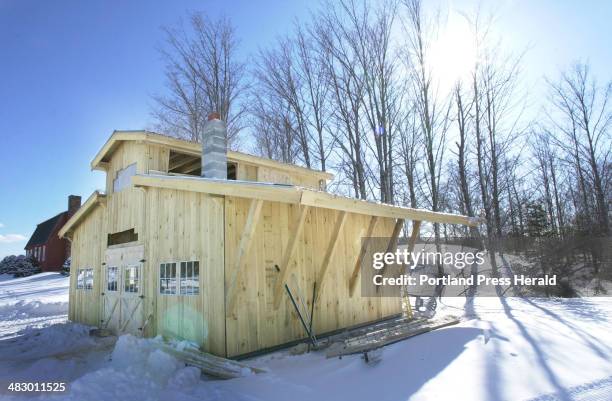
(382, 335)
(212, 365)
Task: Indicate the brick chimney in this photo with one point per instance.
(74, 203)
(214, 148)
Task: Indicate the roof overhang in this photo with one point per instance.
(94, 200)
(297, 195)
(192, 148)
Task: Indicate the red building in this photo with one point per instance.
(45, 245)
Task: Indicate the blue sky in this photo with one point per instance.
(73, 71)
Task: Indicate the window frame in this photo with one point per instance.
(116, 281)
(179, 278)
(138, 280)
(81, 284)
(190, 289)
(167, 278)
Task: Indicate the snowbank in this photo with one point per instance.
(505, 349)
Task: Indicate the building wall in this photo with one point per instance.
(256, 324)
(88, 245)
(55, 253)
(54, 249)
(187, 226)
(177, 226)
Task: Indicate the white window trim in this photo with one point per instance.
(117, 279)
(178, 292)
(85, 270)
(138, 281)
(159, 278)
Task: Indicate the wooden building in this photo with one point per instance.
(166, 251)
(45, 246)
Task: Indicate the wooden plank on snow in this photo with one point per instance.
(380, 337)
(210, 364)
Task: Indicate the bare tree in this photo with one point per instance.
(410, 154)
(272, 125)
(203, 74)
(346, 93)
(276, 74)
(433, 115)
(584, 121)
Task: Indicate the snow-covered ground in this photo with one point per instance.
(505, 349)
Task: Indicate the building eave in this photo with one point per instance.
(192, 148)
(297, 195)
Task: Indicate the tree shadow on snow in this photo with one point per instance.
(580, 307)
(404, 369)
(493, 381)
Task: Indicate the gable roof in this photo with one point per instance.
(94, 199)
(195, 149)
(44, 231)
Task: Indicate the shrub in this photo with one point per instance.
(19, 266)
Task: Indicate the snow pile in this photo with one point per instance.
(504, 349)
(137, 370)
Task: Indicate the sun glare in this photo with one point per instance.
(453, 54)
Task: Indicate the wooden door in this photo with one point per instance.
(111, 317)
(123, 290)
(132, 317)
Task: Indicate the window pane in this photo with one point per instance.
(132, 279)
(184, 289)
(111, 279)
(196, 278)
(189, 278)
(89, 279)
(167, 278)
(81, 279)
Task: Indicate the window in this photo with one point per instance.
(231, 171)
(85, 279)
(44, 247)
(89, 279)
(167, 278)
(131, 279)
(122, 237)
(190, 278)
(123, 178)
(111, 278)
(81, 279)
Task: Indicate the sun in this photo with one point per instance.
(453, 53)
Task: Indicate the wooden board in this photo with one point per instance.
(210, 364)
(256, 324)
(387, 333)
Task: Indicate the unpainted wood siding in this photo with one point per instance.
(88, 244)
(187, 226)
(256, 324)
